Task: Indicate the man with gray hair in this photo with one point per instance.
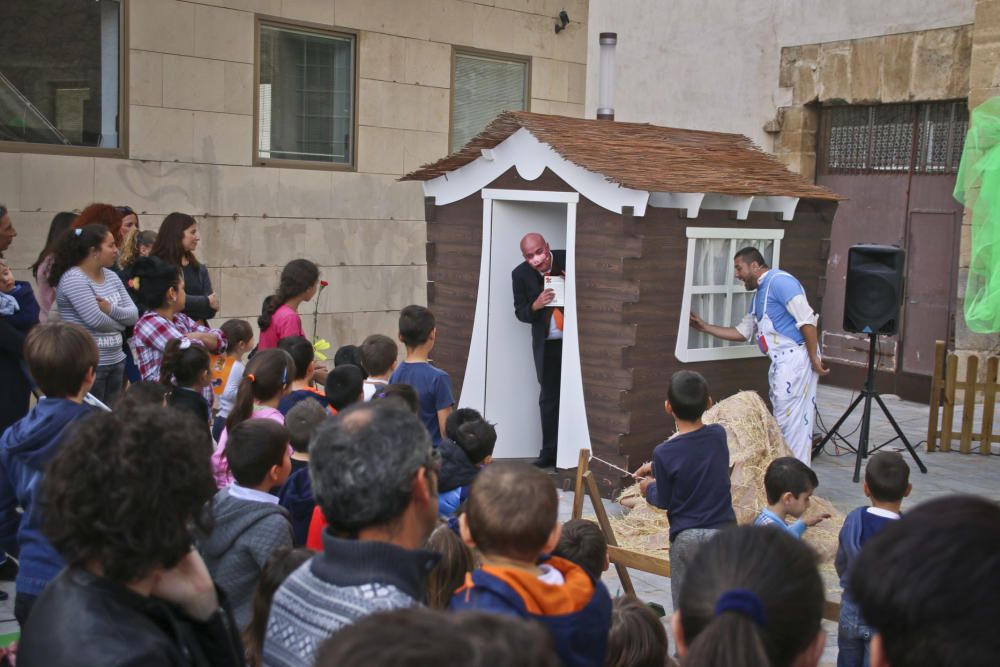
(374, 476)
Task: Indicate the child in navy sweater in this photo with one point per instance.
(18, 314)
(887, 482)
(418, 331)
(689, 476)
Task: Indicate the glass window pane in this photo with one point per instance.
(55, 90)
(306, 96)
(483, 88)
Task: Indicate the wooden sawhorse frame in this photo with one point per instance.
(621, 558)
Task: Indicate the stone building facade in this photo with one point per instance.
(188, 143)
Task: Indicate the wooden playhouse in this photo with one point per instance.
(650, 218)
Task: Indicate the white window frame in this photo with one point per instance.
(732, 350)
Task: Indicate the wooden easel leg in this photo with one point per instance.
(582, 467)
(609, 534)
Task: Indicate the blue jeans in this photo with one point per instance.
(108, 383)
(853, 636)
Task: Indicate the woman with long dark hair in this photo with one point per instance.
(90, 294)
(176, 242)
(40, 269)
(279, 317)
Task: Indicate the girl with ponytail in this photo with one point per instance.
(186, 370)
(755, 600)
(279, 317)
(266, 380)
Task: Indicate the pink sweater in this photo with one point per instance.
(284, 323)
(46, 294)
(220, 467)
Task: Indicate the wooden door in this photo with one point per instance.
(896, 163)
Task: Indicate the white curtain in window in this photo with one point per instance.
(483, 88)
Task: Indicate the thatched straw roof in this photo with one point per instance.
(641, 156)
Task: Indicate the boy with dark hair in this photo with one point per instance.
(296, 494)
(303, 354)
(583, 543)
(689, 476)
(418, 331)
(788, 483)
(344, 386)
(348, 355)
(62, 360)
(512, 518)
(378, 359)
(887, 482)
(928, 584)
(467, 449)
(249, 524)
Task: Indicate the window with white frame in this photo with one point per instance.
(712, 291)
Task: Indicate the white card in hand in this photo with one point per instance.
(558, 285)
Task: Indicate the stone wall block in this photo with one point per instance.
(965, 246)
(987, 21)
(10, 180)
(451, 22)
(577, 88)
(403, 107)
(314, 11)
(56, 183)
(363, 288)
(405, 19)
(238, 88)
(550, 79)
(962, 61)
(145, 82)
(420, 148)
(333, 242)
(244, 191)
(866, 61)
(193, 83)
(223, 34)
(222, 138)
(32, 229)
(303, 193)
(897, 67)
(380, 197)
(834, 73)
(381, 57)
(225, 242)
(380, 150)
(932, 65)
(427, 63)
(165, 26)
(129, 182)
(161, 134)
(984, 71)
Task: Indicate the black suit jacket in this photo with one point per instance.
(527, 286)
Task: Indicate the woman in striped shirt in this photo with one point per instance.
(89, 293)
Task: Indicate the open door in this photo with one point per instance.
(500, 378)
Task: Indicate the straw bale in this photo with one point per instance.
(754, 441)
(647, 157)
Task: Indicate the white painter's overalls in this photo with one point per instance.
(792, 381)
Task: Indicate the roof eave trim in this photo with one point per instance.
(531, 157)
(692, 203)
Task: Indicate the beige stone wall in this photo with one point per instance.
(190, 105)
(984, 83)
(925, 66)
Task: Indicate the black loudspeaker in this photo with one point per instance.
(874, 289)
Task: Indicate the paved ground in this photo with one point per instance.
(947, 473)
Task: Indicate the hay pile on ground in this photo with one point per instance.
(754, 441)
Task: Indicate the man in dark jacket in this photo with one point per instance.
(62, 359)
(122, 492)
(531, 306)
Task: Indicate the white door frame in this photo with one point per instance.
(574, 433)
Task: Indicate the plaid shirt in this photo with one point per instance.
(153, 332)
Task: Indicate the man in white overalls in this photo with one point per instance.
(785, 325)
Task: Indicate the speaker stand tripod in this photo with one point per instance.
(867, 394)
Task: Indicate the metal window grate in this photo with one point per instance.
(880, 138)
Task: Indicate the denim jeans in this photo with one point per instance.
(683, 550)
(108, 383)
(853, 636)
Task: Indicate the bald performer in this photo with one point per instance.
(531, 306)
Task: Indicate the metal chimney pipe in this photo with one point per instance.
(605, 108)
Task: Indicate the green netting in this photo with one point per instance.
(978, 189)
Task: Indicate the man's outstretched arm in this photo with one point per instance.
(726, 333)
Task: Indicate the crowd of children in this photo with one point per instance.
(244, 504)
